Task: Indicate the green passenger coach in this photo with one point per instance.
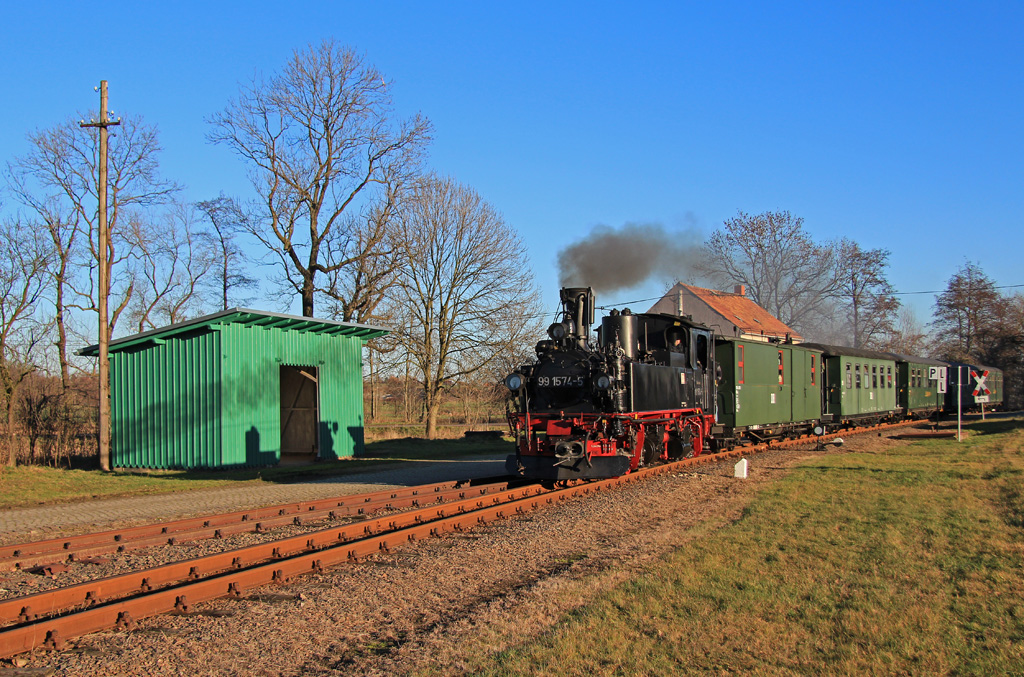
(766, 390)
(858, 384)
(920, 385)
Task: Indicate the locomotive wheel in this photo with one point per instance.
(679, 445)
(653, 444)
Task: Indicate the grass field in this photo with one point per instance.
(36, 485)
(905, 562)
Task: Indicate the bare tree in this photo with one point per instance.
(908, 335)
(866, 294)
(60, 225)
(355, 291)
(783, 269)
(965, 314)
(1004, 348)
(24, 260)
(466, 284)
(58, 179)
(175, 257)
(320, 136)
(227, 219)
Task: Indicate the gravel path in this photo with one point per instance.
(440, 606)
(22, 524)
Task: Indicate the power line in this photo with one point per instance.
(623, 304)
(941, 291)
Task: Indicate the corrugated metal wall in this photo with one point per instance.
(165, 402)
(212, 398)
(252, 387)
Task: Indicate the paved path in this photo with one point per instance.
(24, 524)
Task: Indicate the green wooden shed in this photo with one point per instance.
(239, 387)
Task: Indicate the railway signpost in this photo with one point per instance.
(981, 392)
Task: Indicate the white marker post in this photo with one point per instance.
(959, 395)
(741, 469)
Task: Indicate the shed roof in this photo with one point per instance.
(245, 316)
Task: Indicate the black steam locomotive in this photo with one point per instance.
(640, 395)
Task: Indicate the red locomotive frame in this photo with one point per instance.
(607, 439)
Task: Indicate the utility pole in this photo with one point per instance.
(103, 252)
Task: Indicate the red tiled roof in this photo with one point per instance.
(749, 317)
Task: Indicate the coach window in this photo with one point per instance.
(874, 376)
(856, 370)
(739, 363)
(812, 369)
(780, 368)
(849, 376)
(890, 376)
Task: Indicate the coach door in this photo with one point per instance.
(806, 378)
(300, 414)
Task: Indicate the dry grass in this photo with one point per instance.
(38, 485)
(903, 562)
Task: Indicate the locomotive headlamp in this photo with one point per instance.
(514, 382)
(558, 331)
(604, 382)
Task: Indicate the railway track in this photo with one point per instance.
(47, 619)
(54, 553)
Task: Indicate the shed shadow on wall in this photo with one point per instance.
(328, 429)
(356, 433)
(254, 456)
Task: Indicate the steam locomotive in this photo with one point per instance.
(656, 388)
(640, 395)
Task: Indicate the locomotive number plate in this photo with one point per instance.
(560, 381)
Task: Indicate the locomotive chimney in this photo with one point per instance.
(578, 313)
(740, 290)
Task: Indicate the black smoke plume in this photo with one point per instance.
(610, 259)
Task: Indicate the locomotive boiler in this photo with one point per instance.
(641, 393)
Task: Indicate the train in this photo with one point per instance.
(652, 388)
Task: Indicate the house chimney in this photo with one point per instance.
(740, 289)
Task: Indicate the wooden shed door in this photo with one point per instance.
(300, 414)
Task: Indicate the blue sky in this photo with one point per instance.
(899, 125)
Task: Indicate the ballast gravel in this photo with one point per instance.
(426, 608)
